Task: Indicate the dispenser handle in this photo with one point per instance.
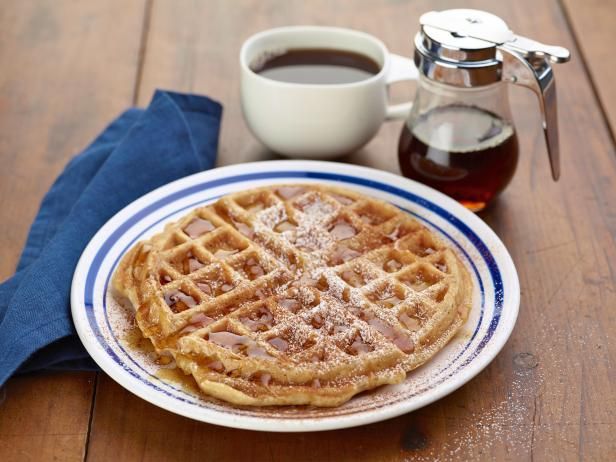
(533, 71)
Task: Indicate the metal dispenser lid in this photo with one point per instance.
(460, 47)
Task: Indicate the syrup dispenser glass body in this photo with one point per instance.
(461, 141)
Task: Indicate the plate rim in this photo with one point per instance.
(488, 236)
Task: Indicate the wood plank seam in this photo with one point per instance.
(90, 418)
(587, 71)
(145, 30)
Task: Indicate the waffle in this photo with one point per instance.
(295, 294)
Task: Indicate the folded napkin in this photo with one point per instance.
(142, 149)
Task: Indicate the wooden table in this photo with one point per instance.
(67, 68)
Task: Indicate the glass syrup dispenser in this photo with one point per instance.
(460, 137)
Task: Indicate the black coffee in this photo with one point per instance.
(317, 66)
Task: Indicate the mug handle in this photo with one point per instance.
(400, 68)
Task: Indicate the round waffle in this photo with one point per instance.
(295, 294)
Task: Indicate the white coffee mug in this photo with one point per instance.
(319, 121)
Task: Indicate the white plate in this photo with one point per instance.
(100, 322)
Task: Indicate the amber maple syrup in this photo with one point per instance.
(466, 152)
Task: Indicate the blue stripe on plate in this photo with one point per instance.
(131, 221)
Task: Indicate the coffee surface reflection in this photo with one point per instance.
(316, 66)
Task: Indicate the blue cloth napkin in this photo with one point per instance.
(176, 135)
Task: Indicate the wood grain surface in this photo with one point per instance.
(56, 94)
(592, 23)
(549, 395)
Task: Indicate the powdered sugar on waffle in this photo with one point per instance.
(271, 216)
